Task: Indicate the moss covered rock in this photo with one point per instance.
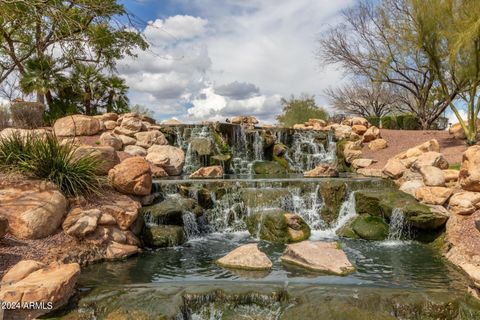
(370, 227)
(333, 194)
(278, 226)
(268, 168)
(163, 236)
(382, 203)
(170, 211)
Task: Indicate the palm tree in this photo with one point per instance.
(116, 94)
(40, 77)
(87, 80)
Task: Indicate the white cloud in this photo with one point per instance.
(234, 57)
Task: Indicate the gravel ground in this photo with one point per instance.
(401, 140)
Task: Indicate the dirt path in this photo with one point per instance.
(401, 140)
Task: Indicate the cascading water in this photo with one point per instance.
(258, 146)
(398, 228)
(308, 151)
(307, 206)
(190, 225)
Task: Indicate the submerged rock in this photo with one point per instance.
(246, 257)
(278, 226)
(318, 256)
(268, 168)
(163, 236)
(370, 228)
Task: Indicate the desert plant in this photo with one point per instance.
(27, 114)
(4, 117)
(44, 157)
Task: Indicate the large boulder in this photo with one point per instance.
(469, 176)
(278, 226)
(79, 223)
(246, 257)
(268, 168)
(126, 140)
(318, 256)
(370, 227)
(131, 125)
(105, 156)
(464, 202)
(3, 226)
(457, 131)
(76, 125)
(34, 209)
(371, 134)
(433, 195)
(211, 172)
(431, 158)
(163, 236)
(132, 176)
(451, 175)
(342, 132)
(53, 284)
(383, 202)
(170, 158)
(322, 170)
(135, 151)
(123, 209)
(362, 163)
(111, 140)
(149, 138)
(411, 186)
(202, 146)
(377, 144)
(333, 194)
(170, 211)
(394, 168)
(432, 176)
(359, 129)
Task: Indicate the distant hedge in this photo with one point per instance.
(399, 122)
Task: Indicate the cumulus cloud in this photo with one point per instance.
(238, 90)
(231, 57)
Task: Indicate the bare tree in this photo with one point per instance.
(365, 98)
(375, 41)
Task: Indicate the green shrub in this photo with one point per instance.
(299, 110)
(43, 157)
(408, 122)
(27, 114)
(374, 120)
(389, 122)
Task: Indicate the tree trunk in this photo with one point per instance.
(48, 96)
(109, 103)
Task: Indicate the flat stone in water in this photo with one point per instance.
(318, 256)
(246, 257)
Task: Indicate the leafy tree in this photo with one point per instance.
(449, 33)
(116, 99)
(376, 40)
(87, 81)
(365, 99)
(299, 110)
(142, 110)
(72, 31)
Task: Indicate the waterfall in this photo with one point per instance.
(190, 225)
(258, 146)
(347, 212)
(398, 228)
(308, 151)
(307, 206)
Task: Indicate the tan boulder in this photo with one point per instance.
(318, 256)
(149, 138)
(34, 210)
(464, 202)
(126, 140)
(362, 163)
(135, 151)
(342, 132)
(411, 186)
(169, 158)
(76, 125)
(110, 125)
(432, 176)
(377, 144)
(360, 121)
(367, 172)
(469, 176)
(246, 257)
(451, 175)
(359, 129)
(322, 170)
(433, 195)
(132, 124)
(351, 155)
(301, 126)
(394, 168)
(132, 176)
(21, 270)
(124, 210)
(116, 251)
(106, 157)
(110, 116)
(431, 158)
(158, 172)
(53, 284)
(243, 119)
(208, 172)
(111, 140)
(457, 131)
(319, 122)
(80, 223)
(371, 134)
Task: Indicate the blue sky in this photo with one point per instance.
(211, 59)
